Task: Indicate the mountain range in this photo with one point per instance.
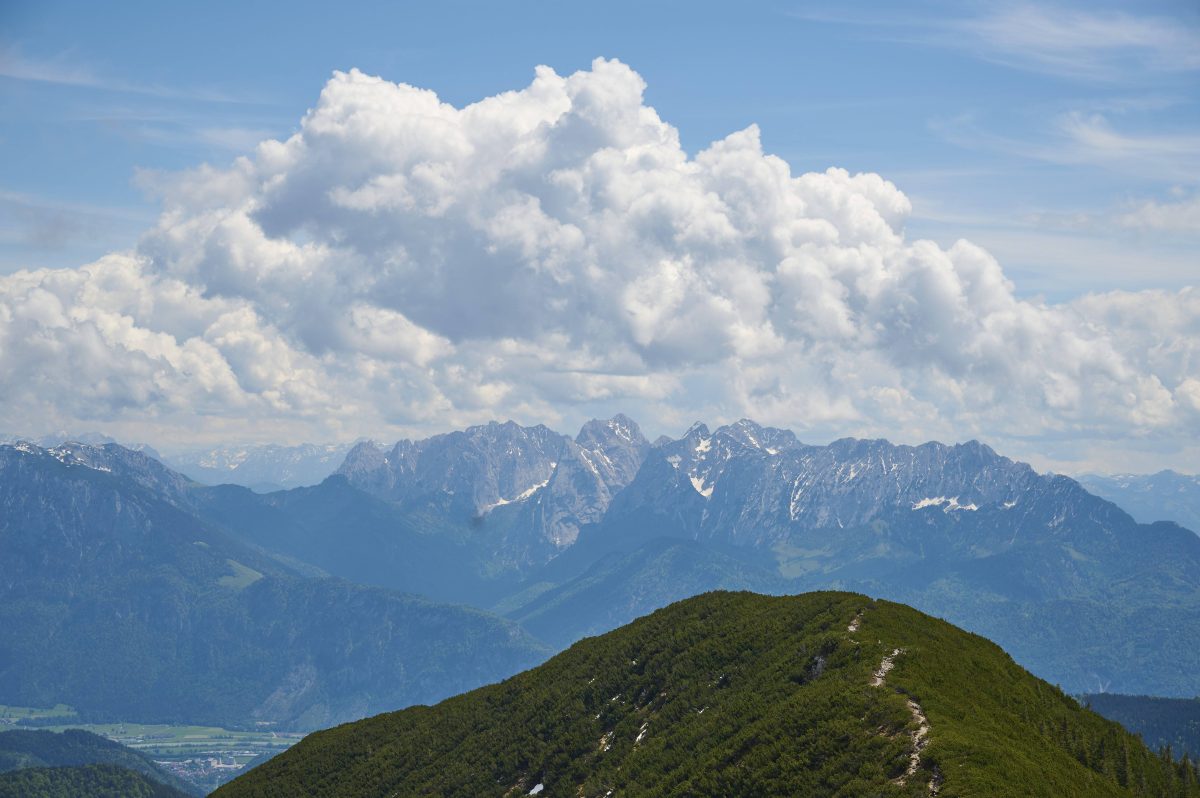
(264, 467)
(329, 602)
(1078, 590)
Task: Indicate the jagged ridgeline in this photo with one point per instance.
(737, 694)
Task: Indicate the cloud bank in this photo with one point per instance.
(550, 253)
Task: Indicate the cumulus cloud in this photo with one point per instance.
(553, 252)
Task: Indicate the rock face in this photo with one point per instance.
(471, 471)
(748, 485)
(527, 491)
(603, 459)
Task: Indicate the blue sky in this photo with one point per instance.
(1062, 138)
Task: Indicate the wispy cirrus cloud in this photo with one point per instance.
(1080, 138)
(63, 71)
(1081, 43)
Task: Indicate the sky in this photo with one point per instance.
(226, 222)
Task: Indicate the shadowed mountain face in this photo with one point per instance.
(118, 599)
(823, 694)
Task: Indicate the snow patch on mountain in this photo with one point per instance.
(951, 504)
(518, 498)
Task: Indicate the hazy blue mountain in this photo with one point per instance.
(120, 601)
(22, 748)
(336, 529)
(621, 586)
(1165, 496)
(263, 467)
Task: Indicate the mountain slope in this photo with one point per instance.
(117, 600)
(21, 749)
(736, 694)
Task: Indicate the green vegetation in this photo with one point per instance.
(746, 695)
(37, 716)
(20, 749)
(1161, 722)
(241, 577)
(82, 781)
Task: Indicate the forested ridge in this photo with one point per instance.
(739, 694)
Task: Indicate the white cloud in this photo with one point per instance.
(1181, 216)
(551, 253)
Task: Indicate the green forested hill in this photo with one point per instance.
(823, 694)
(22, 748)
(82, 781)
